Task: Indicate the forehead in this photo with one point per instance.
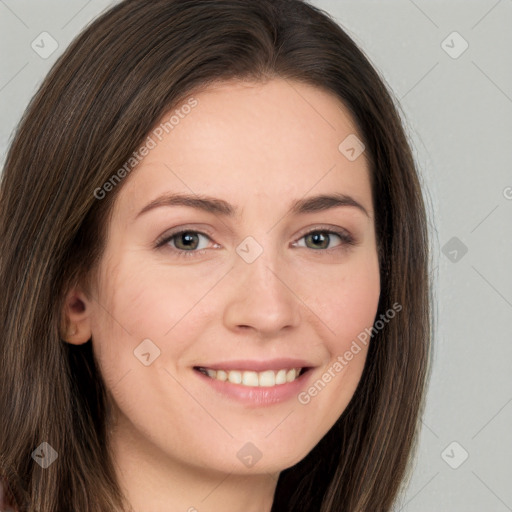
(245, 141)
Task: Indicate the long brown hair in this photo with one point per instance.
(94, 109)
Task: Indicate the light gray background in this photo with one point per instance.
(458, 112)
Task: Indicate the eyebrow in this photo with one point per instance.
(220, 207)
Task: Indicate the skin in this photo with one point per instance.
(259, 147)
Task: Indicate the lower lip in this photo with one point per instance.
(255, 395)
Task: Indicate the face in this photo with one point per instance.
(256, 280)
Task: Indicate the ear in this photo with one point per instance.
(75, 325)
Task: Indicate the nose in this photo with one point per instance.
(261, 297)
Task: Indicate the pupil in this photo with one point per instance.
(317, 238)
(188, 238)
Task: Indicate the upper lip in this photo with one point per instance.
(258, 366)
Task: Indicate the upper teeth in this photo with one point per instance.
(266, 379)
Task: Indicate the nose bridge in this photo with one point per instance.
(261, 297)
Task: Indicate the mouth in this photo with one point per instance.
(266, 378)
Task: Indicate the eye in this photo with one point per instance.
(189, 242)
(321, 239)
(185, 242)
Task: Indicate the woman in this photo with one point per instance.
(280, 364)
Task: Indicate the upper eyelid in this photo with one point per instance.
(168, 235)
(201, 231)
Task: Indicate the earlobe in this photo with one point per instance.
(75, 319)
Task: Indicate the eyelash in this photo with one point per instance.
(345, 237)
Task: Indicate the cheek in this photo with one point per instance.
(138, 313)
(345, 299)
(347, 310)
(356, 307)
(140, 302)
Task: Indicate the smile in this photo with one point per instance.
(267, 378)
